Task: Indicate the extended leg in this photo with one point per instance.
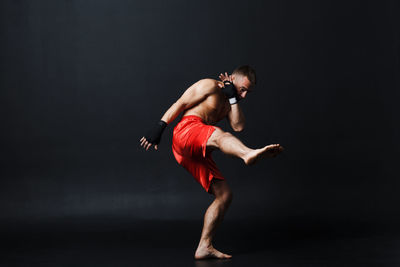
(212, 218)
(231, 145)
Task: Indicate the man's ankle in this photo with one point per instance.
(205, 244)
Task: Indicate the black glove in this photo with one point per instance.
(153, 136)
(230, 91)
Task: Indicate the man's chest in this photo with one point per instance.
(217, 107)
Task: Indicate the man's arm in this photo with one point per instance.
(191, 97)
(236, 118)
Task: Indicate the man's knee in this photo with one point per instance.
(221, 190)
(226, 197)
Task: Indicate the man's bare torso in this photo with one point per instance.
(212, 109)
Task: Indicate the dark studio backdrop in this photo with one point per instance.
(82, 81)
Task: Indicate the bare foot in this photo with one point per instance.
(269, 151)
(210, 253)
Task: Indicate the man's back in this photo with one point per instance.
(214, 107)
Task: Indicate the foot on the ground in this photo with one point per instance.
(210, 253)
(269, 151)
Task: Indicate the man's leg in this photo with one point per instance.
(212, 218)
(231, 145)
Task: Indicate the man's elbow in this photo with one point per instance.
(238, 128)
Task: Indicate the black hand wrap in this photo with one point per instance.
(154, 135)
(230, 91)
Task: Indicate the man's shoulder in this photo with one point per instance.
(208, 84)
(207, 81)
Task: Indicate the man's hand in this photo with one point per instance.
(153, 136)
(225, 77)
(146, 144)
(229, 89)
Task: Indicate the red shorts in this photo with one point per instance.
(189, 143)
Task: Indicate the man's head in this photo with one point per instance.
(244, 79)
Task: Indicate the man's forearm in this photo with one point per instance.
(173, 112)
(237, 117)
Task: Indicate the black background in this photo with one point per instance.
(81, 82)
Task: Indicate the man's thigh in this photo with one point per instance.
(212, 143)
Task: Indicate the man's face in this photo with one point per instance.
(242, 84)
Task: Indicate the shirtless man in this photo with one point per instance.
(194, 138)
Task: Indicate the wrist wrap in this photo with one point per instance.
(154, 135)
(230, 91)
